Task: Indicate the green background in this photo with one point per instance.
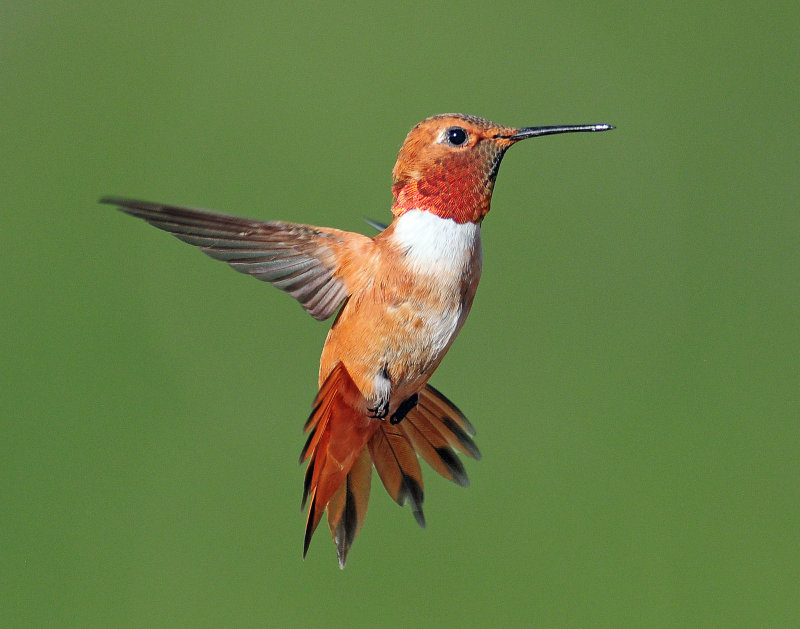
(631, 361)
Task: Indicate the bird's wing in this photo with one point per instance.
(378, 225)
(300, 259)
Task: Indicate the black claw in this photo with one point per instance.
(378, 412)
(406, 406)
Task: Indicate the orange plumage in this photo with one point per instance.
(401, 297)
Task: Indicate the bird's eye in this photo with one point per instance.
(455, 136)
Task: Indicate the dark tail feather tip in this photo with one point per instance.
(309, 530)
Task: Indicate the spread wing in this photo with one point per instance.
(300, 259)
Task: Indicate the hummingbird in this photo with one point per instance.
(400, 299)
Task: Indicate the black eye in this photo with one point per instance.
(455, 136)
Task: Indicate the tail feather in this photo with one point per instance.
(323, 397)
(307, 484)
(396, 461)
(432, 446)
(449, 421)
(320, 414)
(348, 507)
(437, 399)
(341, 430)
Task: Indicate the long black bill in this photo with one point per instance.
(534, 132)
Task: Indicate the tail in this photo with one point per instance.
(344, 443)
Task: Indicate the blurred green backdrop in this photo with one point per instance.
(631, 362)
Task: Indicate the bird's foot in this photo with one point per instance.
(380, 410)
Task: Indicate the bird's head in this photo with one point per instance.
(448, 164)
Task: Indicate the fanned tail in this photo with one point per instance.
(343, 444)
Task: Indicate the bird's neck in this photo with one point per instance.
(462, 195)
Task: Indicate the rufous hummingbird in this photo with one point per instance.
(401, 296)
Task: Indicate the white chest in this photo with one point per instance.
(444, 258)
(439, 246)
